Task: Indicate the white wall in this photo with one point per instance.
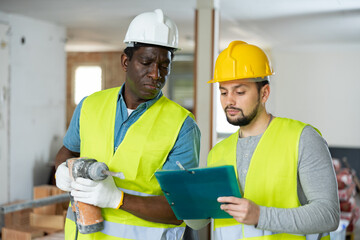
(319, 85)
(37, 100)
(4, 113)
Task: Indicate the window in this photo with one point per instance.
(181, 82)
(88, 79)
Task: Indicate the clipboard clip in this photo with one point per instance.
(182, 167)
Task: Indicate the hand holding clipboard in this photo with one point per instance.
(192, 193)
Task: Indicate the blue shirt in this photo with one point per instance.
(186, 148)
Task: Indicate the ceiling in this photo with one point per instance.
(100, 25)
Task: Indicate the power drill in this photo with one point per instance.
(88, 217)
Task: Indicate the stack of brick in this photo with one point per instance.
(33, 223)
(50, 216)
(347, 191)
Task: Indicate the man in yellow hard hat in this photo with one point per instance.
(135, 130)
(284, 167)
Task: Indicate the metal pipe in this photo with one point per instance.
(31, 204)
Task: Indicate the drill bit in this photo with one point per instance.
(113, 174)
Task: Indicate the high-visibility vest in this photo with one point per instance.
(144, 150)
(271, 180)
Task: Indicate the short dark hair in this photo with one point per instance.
(129, 51)
(259, 85)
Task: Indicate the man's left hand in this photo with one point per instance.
(243, 210)
(103, 193)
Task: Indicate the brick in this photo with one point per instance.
(21, 233)
(47, 221)
(60, 207)
(53, 236)
(44, 191)
(18, 218)
(47, 191)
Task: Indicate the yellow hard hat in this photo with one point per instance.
(241, 60)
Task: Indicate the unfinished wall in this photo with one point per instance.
(37, 101)
(110, 62)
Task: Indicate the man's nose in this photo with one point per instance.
(229, 100)
(154, 71)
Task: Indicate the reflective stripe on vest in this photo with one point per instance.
(323, 236)
(274, 165)
(136, 193)
(250, 232)
(124, 231)
(143, 150)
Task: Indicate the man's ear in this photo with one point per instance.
(124, 61)
(265, 93)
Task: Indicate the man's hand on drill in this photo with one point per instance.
(63, 179)
(103, 193)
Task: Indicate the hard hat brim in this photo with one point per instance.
(258, 79)
(133, 44)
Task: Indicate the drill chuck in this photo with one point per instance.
(90, 169)
(96, 171)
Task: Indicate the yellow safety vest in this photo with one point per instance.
(271, 180)
(144, 150)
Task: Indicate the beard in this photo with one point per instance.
(242, 120)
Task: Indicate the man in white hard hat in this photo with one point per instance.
(284, 167)
(135, 130)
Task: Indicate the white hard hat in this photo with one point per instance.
(152, 28)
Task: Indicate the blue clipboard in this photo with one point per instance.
(193, 193)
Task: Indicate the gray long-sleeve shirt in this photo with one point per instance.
(317, 188)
